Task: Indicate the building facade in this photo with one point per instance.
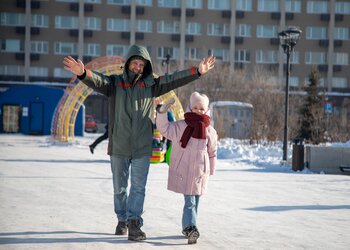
(37, 34)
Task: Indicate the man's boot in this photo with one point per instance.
(135, 232)
(122, 228)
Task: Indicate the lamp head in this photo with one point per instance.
(289, 37)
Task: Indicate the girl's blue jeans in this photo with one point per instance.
(189, 215)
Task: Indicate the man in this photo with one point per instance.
(130, 109)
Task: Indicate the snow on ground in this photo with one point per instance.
(59, 196)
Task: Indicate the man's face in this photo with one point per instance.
(136, 66)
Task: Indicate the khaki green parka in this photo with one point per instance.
(130, 103)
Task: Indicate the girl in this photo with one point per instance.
(193, 156)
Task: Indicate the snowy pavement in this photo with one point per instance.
(57, 196)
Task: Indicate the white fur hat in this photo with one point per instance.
(197, 98)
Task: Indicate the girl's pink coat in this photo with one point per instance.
(190, 167)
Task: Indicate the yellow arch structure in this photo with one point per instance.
(63, 123)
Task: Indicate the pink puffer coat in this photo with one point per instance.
(190, 167)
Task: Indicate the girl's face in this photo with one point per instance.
(199, 109)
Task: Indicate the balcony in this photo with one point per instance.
(289, 16)
(226, 14)
(189, 12)
(322, 67)
(175, 37)
(88, 33)
(140, 10)
(88, 7)
(338, 43)
(275, 16)
(337, 68)
(325, 17)
(33, 4)
(189, 38)
(176, 12)
(87, 58)
(22, 30)
(139, 36)
(74, 33)
(338, 17)
(323, 43)
(126, 9)
(274, 41)
(239, 40)
(33, 57)
(74, 7)
(225, 39)
(125, 35)
(239, 14)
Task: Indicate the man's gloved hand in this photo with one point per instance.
(164, 107)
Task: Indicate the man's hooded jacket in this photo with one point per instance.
(130, 102)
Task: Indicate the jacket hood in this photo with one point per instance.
(137, 50)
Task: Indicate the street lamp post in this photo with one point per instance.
(288, 39)
(167, 62)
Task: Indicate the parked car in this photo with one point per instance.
(90, 124)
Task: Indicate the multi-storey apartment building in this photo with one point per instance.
(36, 35)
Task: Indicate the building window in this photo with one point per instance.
(218, 29)
(194, 4)
(169, 3)
(63, 48)
(12, 70)
(341, 33)
(164, 51)
(118, 24)
(315, 58)
(317, 7)
(66, 22)
(342, 7)
(244, 30)
(316, 33)
(294, 81)
(38, 71)
(92, 49)
(340, 58)
(293, 6)
(144, 26)
(242, 56)
(266, 56)
(39, 47)
(267, 31)
(171, 27)
(268, 5)
(12, 45)
(12, 19)
(62, 73)
(244, 5)
(339, 82)
(116, 50)
(193, 28)
(40, 21)
(92, 23)
(294, 57)
(119, 2)
(219, 4)
(221, 54)
(193, 54)
(144, 2)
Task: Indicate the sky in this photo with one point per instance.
(59, 196)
